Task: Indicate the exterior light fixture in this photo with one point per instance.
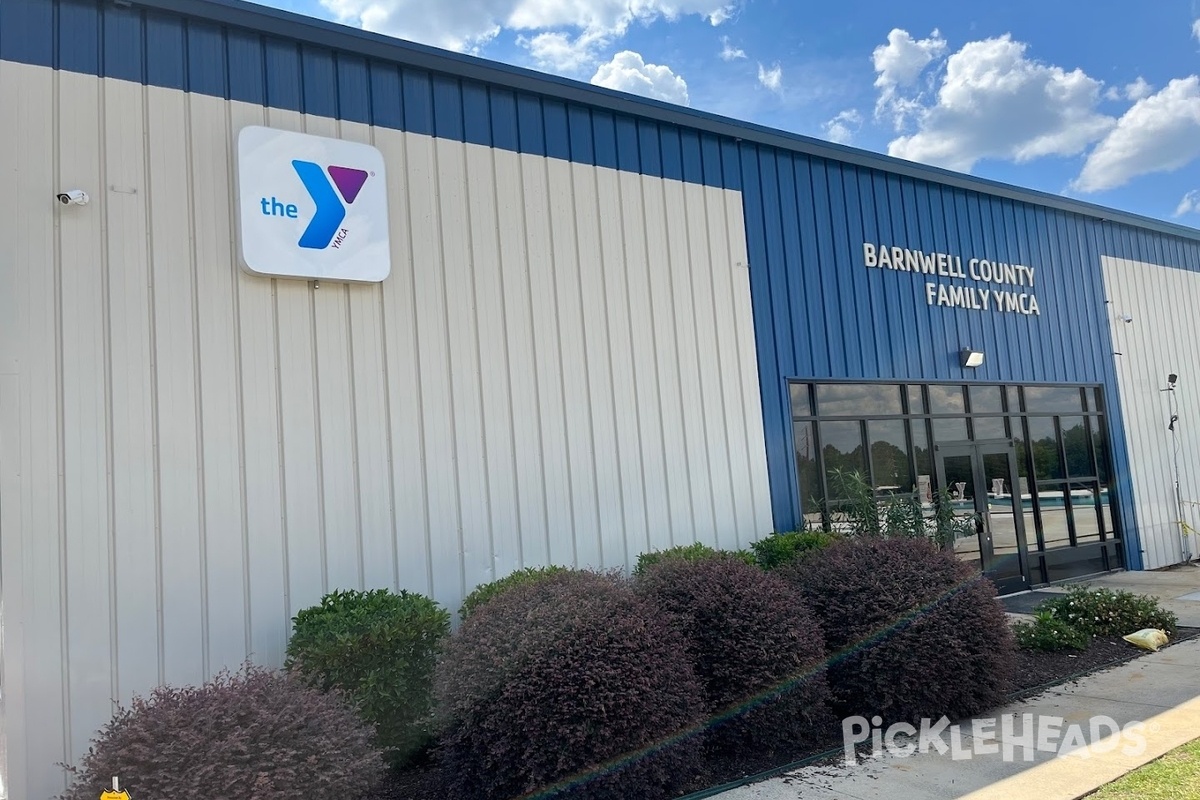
(971, 358)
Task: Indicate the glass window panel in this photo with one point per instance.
(858, 399)
(1043, 441)
(916, 400)
(960, 482)
(986, 399)
(924, 460)
(889, 456)
(989, 428)
(801, 405)
(1100, 443)
(1052, 518)
(950, 429)
(1076, 567)
(842, 447)
(1047, 399)
(946, 400)
(1098, 399)
(1075, 443)
(807, 472)
(1085, 513)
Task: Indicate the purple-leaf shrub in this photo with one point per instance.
(572, 686)
(910, 630)
(251, 734)
(756, 648)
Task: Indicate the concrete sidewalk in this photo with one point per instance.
(1161, 690)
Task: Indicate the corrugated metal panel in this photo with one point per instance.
(1158, 341)
(560, 369)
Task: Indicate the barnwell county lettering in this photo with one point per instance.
(1015, 294)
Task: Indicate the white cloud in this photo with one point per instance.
(628, 72)
(898, 66)
(556, 50)
(1196, 29)
(771, 78)
(841, 129)
(729, 52)
(1138, 90)
(993, 102)
(464, 24)
(1189, 203)
(1159, 133)
(902, 60)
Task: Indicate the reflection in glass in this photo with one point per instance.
(1001, 517)
(1076, 567)
(1047, 463)
(916, 401)
(889, 456)
(1084, 499)
(1075, 442)
(1052, 517)
(985, 399)
(1101, 445)
(801, 405)
(842, 447)
(1047, 399)
(807, 472)
(946, 400)
(989, 428)
(923, 458)
(949, 429)
(960, 482)
(858, 399)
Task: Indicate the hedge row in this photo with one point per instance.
(569, 683)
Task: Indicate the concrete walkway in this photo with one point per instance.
(1161, 690)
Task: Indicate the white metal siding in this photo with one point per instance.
(560, 369)
(1160, 340)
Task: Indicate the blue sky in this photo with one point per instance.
(1097, 100)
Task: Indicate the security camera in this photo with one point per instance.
(1126, 318)
(75, 197)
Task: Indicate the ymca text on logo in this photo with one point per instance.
(985, 737)
(325, 228)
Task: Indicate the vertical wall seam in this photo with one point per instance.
(587, 371)
(722, 368)
(60, 372)
(508, 379)
(281, 452)
(109, 436)
(704, 415)
(483, 426)
(458, 462)
(416, 332)
(544, 165)
(311, 296)
(152, 324)
(356, 466)
(654, 350)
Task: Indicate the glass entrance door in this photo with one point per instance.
(981, 478)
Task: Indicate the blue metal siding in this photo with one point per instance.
(818, 312)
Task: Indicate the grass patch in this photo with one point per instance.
(1175, 776)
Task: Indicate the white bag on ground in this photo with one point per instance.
(1148, 638)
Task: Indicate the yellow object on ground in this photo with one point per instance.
(1148, 638)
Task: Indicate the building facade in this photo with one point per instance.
(608, 326)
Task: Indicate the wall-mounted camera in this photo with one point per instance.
(74, 197)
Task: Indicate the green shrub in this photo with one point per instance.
(687, 552)
(778, 549)
(486, 591)
(1049, 634)
(379, 649)
(911, 631)
(1104, 612)
(758, 652)
(567, 687)
(255, 733)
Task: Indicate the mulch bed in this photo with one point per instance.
(1036, 672)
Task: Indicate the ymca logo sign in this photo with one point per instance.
(312, 207)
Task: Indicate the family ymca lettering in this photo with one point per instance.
(1000, 287)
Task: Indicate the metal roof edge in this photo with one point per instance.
(310, 30)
